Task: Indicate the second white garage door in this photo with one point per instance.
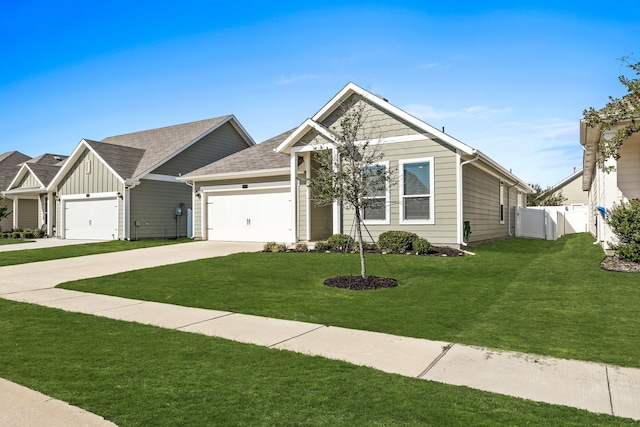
(250, 217)
(93, 219)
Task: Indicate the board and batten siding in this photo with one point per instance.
(28, 181)
(90, 175)
(481, 205)
(216, 145)
(153, 205)
(444, 191)
(202, 201)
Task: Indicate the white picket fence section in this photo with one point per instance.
(551, 222)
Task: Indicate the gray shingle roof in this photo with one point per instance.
(48, 159)
(261, 156)
(123, 160)
(156, 144)
(9, 167)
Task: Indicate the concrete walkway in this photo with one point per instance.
(43, 243)
(594, 387)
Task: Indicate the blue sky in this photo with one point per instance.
(508, 78)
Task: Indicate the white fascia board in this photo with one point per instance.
(231, 118)
(566, 180)
(164, 178)
(306, 126)
(71, 160)
(236, 175)
(500, 172)
(21, 173)
(352, 88)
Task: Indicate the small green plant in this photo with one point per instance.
(302, 247)
(274, 247)
(396, 241)
(322, 246)
(340, 242)
(624, 220)
(421, 246)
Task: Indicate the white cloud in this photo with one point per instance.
(427, 112)
(433, 65)
(287, 80)
(551, 128)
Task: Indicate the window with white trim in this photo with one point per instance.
(416, 191)
(501, 202)
(376, 206)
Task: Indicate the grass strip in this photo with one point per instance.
(138, 375)
(24, 256)
(542, 297)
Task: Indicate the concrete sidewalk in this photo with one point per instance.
(594, 387)
(43, 243)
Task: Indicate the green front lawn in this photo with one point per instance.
(138, 375)
(13, 241)
(533, 296)
(24, 256)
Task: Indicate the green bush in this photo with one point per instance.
(624, 220)
(302, 247)
(340, 242)
(322, 246)
(396, 241)
(421, 246)
(274, 247)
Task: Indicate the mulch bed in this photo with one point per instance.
(613, 263)
(357, 283)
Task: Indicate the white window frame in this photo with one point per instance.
(387, 195)
(432, 213)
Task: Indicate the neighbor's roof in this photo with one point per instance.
(9, 167)
(260, 157)
(161, 144)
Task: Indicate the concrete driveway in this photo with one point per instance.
(43, 243)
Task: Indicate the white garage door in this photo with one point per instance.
(95, 219)
(250, 217)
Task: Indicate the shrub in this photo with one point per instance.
(624, 220)
(340, 242)
(274, 247)
(421, 246)
(302, 247)
(322, 246)
(396, 241)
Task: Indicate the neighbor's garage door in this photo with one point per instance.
(95, 219)
(250, 217)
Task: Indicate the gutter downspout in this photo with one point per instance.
(128, 185)
(509, 206)
(460, 223)
(193, 208)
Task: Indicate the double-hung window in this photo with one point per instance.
(416, 191)
(376, 197)
(501, 202)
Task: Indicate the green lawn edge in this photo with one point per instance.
(139, 375)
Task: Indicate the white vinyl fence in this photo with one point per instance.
(550, 222)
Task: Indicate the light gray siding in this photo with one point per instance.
(218, 144)
(444, 229)
(379, 123)
(481, 205)
(153, 205)
(89, 175)
(573, 193)
(628, 168)
(200, 203)
(28, 181)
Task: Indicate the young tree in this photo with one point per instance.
(4, 209)
(348, 170)
(620, 113)
(544, 197)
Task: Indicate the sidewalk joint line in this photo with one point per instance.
(606, 370)
(297, 336)
(203, 320)
(445, 349)
(120, 306)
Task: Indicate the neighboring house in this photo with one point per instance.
(261, 193)
(126, 186)
(9, 165)
(28, 189)
(571, 189)
(605, 189)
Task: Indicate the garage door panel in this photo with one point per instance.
(95, 219)
(250, 217)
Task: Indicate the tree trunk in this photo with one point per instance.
(363, 269)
